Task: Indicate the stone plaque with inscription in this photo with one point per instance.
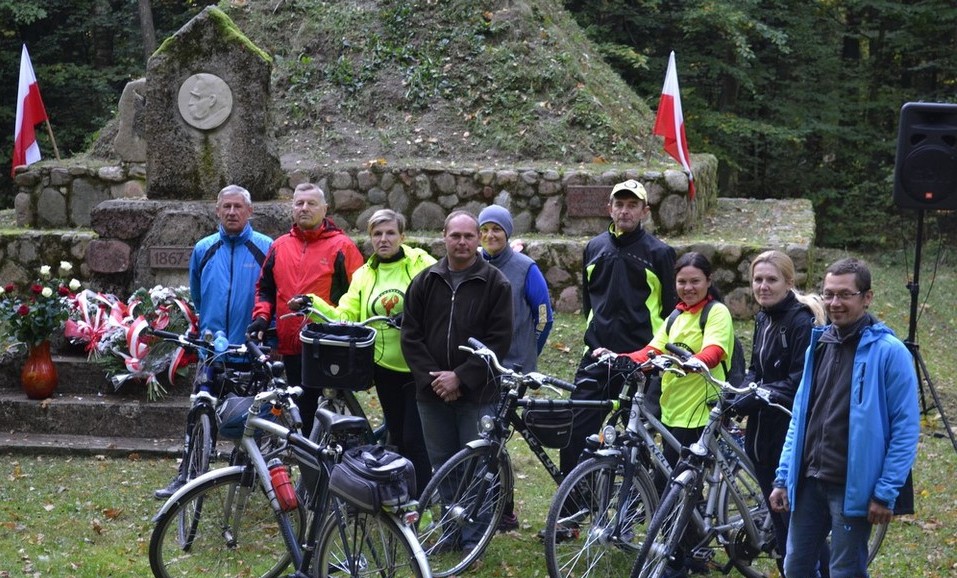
(587, 200)
(170, 257)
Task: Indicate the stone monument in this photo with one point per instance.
(207, 120)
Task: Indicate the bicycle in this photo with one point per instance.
(245, 521)
(727, 513)
(337, 391)
(214, 383)
(467, 494)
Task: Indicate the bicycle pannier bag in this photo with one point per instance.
(337, 356)
(552, 427)
(371, 476)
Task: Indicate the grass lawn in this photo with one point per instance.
(90, 517)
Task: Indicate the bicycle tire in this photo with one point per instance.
(878, 532)
(200, 450)
(667, 527)
(753, 556)
(362, 544)
(215, 545)
(448, 499)
(580, 540)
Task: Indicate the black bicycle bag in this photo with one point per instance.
(371, 477)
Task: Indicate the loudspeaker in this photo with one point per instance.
(925, 173)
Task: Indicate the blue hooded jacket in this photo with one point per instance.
(884, 421)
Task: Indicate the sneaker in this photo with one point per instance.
(165, 493)
(508, 523)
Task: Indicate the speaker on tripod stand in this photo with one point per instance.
(925, 178)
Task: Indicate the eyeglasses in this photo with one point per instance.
(842, 296)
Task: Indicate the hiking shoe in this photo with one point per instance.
(165, 493)
(508, 523)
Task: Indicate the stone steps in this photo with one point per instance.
(86, 415)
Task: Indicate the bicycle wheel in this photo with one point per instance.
(746, 522)
(233, 532)
(667, 527)
(200, 446)
(874, 542)
(461, 507)
(592, 528)
(358, 544)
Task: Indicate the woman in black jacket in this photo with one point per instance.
(782, 331)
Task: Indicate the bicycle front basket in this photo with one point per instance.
(337, 356)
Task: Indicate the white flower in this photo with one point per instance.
(47, 292)
(74, 285)
(65, 267)
(45, 271)
(2, 290)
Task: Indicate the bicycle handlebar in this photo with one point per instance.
(309, 310)
(533, 379)
(185, 340)
(684, 358)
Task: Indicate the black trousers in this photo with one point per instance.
(396, 391)
(595, 384)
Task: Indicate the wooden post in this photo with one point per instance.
(56, 151)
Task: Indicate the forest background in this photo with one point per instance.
(795, 98)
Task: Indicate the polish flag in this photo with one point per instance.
(670, 123)
(30, 112)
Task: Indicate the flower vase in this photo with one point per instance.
(38, 376)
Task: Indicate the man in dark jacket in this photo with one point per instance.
(223, 269)
(459, 297)
(628, 290)
(315, 257)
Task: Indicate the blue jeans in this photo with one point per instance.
(820, 511)
(447, 428)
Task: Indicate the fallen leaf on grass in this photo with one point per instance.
(97, 526)
(112, 513)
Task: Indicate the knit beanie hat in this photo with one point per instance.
(498, 215)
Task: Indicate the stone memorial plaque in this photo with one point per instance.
(170, 257)
(205, 101)
(587, 201)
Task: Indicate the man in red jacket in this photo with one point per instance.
(316, 257)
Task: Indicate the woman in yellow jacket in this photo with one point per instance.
(378, 288)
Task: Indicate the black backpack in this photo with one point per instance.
(735, 374)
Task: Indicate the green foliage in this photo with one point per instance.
(83, 53)
(796, 99)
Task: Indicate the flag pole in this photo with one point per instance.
(56, 151)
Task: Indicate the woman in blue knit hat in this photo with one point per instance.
(531, 304)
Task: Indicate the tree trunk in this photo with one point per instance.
(147, 29)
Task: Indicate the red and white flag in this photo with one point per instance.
(670, 123)
(30, 112)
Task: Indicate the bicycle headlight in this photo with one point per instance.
(608, 435)
(487, 423)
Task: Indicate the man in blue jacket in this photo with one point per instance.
(223, 271)
(853, 437)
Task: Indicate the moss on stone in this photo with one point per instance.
(227, 28)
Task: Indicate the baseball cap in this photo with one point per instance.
(630, 186)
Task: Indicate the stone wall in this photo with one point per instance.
(139, 243)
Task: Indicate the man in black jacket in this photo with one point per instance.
(628, 290)
(459, 297)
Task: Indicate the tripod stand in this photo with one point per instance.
(923, 376)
